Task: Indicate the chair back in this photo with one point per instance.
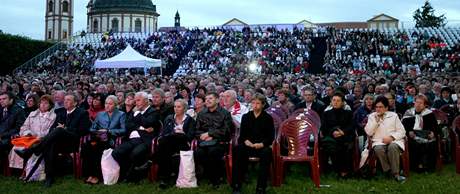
(301, 136)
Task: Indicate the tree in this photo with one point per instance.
(426, 17)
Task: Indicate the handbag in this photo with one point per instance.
(208, 143)
(25, 141)
(109, 167)
(100, 135)
(186, 177)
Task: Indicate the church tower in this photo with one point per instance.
(58, 20)
(177, 20)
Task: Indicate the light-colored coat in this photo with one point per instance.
(390, 126)
(34, 125)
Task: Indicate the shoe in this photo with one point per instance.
(400, 179)
(48, 182)
(23, 153)
(144, 166)
(236, 189)
(163, 185)
(260, 191)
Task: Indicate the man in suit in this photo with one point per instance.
(71, 123)
(143, 125)
(11, 119)
(310, 102)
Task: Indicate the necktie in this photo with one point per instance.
(5, 112)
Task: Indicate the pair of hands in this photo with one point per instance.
(253, 145)
(205, 137)
(338, 133)
(388, 139)
(412, 135)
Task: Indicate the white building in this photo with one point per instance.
(122, 16)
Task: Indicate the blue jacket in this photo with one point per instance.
(115, 125)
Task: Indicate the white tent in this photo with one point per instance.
(129, 58)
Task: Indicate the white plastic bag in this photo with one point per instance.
(186, 178)
(110, 168)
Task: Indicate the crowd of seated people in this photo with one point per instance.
(213, 107)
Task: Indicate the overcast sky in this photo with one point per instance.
(26, 17)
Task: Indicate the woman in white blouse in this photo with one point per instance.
(387, 135)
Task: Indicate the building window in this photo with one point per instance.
(138, 25)
(64, 34)
(95, 26)
(49, 34)
(65, 7)
(115, 25)
(50, 6)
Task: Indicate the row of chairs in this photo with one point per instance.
(298, 134)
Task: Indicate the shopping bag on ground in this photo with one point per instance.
(186, 178)
(110, 168)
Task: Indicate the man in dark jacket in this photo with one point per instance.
(143, 125)
(310, 102)
(445, 98)
(213, 128)
(71, 123)
(11, 119)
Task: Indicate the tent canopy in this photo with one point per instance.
(129, 58)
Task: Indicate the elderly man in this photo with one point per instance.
(213, 126)
(236, 109)
(143, 125)
(71, 123)
(58, 99)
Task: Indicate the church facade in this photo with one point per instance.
(121, 16)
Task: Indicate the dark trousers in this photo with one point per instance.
(132, 153)
(423, 153)
(91, 154)
(241, 154)
(56, 141)
(167, 147)
(211, 159)
(340, 153)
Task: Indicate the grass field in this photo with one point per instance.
(298, 181)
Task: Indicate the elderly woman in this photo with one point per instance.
(37, 124)
(337, 136)
(176, 135)
(422, 128)
(108, 125)
(387, 135)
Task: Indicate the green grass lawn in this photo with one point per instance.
(298, 181)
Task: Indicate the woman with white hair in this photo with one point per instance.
(108, 125)
(177, 133)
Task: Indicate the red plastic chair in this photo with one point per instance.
(443, 120)
(455, 142)
(297, 131)
(372, 159)
(310, 114)
(153, 172)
